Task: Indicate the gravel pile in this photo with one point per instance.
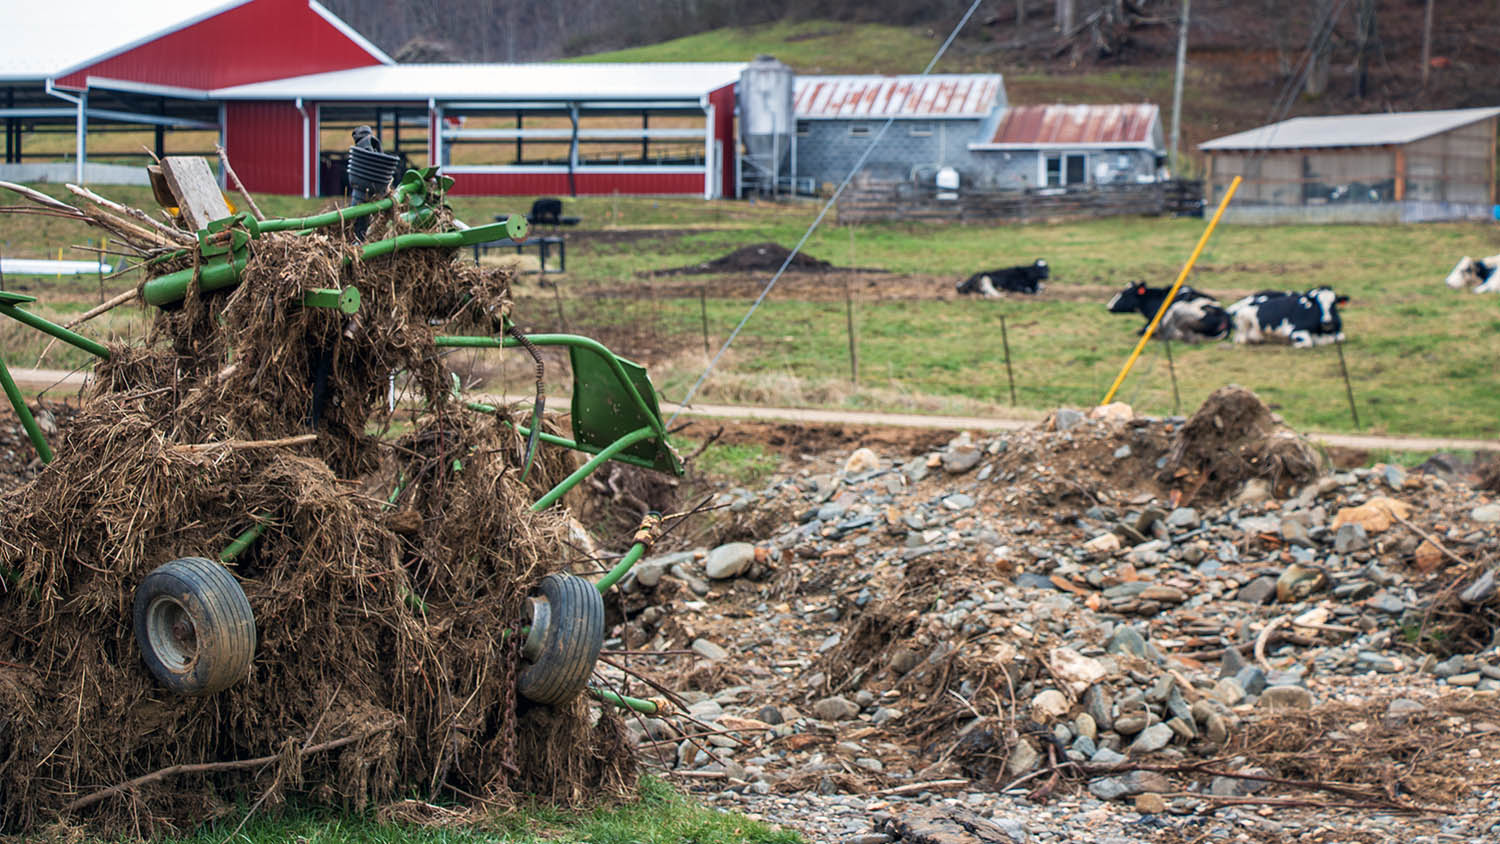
(1060, 635)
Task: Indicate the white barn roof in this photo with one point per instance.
(45, 39)
(560, 81)
(938, 95)
(1350, 130)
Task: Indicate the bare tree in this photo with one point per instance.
(1365, 37)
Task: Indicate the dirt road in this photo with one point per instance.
(37, 379)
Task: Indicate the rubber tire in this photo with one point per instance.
(571, 612)
(208, 596)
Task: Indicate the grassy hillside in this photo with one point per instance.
(808, 46)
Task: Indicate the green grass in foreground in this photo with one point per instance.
(661, 816)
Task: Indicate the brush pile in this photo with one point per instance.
(383, 583)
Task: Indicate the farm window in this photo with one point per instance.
(859, 130)
(921, 130)
(803, 128)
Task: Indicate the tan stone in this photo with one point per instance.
(1150, 803)
(1427, 557)
(1375, 516)
(1113, 412)
(861, 461)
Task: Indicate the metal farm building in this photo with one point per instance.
(1405, 167)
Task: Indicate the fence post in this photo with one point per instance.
(1348, 388)
(1010, 375)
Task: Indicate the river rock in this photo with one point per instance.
(729, 560)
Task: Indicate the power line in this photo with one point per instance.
(823, 212)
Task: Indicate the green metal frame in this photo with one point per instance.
(615, 414)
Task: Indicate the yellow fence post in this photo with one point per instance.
(1181, 277)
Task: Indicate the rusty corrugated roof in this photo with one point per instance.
(1075, 126)
(939, 95)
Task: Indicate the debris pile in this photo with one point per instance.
(388, 576)
(1103, 625)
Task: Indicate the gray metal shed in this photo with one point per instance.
(1402, 167)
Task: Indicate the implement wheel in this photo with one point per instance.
(194, 626)
(567, 632)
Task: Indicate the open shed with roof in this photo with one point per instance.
(281, 82)
(1403, 167)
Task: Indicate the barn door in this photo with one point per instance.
(1076, 167)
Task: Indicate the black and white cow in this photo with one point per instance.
(1193, 318)
(1480, 275)
(1027, 279)
(1301, 319)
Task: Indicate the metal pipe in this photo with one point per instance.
(237, 547)
(18, 402)
(631, 557)
(172, 287)
(466, 342)
(588, 468)
(645, 707)
(47, 327)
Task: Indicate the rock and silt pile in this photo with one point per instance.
(1107, 628)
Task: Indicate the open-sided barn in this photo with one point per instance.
(282, 82)
(1404, 167)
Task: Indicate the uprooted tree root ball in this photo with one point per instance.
(1231, 439)
(383, 586)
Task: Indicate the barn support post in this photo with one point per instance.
(82, 128)
(1171, 294)
(573, 150)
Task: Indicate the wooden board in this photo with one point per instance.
(193, 183)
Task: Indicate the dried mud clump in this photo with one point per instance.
(1234, 438)
(383, 584)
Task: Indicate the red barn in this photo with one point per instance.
(283, 81)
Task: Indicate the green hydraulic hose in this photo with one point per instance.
(588, 468)
(632, 556)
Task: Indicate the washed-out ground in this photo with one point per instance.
(1076, 633)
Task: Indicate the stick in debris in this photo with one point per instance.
(178, 236)
(1263, 638)
(41, 198)
(247, 445)
(234, 179)
(214, 767)
(88, 315)
(1430, 538)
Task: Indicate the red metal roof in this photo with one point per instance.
(249, 42)
(938, 95)
(1075, 125)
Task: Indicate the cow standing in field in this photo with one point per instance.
(1301, 319)
(1478, 275)
(1194, 317)
(1027, 279)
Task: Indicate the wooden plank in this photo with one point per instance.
(192, 182)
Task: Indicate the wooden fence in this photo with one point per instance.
(903, 201)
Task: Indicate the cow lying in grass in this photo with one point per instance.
(1301, 319)
(1194, 317)
(1478, 276)
(1027, 279)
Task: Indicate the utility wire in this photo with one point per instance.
(858, 165)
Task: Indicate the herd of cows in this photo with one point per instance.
(1301, 319)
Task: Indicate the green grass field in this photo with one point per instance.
(1420, 356)
(661, 816)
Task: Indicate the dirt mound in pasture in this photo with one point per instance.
(388, 583)
(1234, 438)
(757, 257)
